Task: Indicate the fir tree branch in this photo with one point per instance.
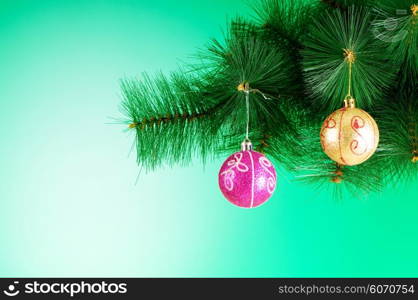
(203, 113)
(152, 121)
(396, 25)
(284, 22)
(332, 3)
(245, 58)
(343, 5)
(325, 66)
(313, 167)
(171, 118)
(398, 121)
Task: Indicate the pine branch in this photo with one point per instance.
(245, 58)
(398, 122)
(284, 22)
(294, 59)
(171, 118)
(396, 25)
(327, 70)
(315, 168)
(178, 118)
(332, 3)
(345, 4)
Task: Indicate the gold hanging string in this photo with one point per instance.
(246, 89)
(350, 58)
(247, 105)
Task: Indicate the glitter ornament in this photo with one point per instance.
(349, 135)
(247, 178)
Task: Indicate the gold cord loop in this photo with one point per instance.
(350, 56)
(245, 87)
(414, 10)
(349, 102)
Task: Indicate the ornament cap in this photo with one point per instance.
(246, 145)
(350, 102)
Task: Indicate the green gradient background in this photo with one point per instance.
(69, 205)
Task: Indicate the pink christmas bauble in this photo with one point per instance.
(247, 179)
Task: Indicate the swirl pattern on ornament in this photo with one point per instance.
(271, 181)
(229, 174)
(358, 146)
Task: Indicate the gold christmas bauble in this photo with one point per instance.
(349, 136)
